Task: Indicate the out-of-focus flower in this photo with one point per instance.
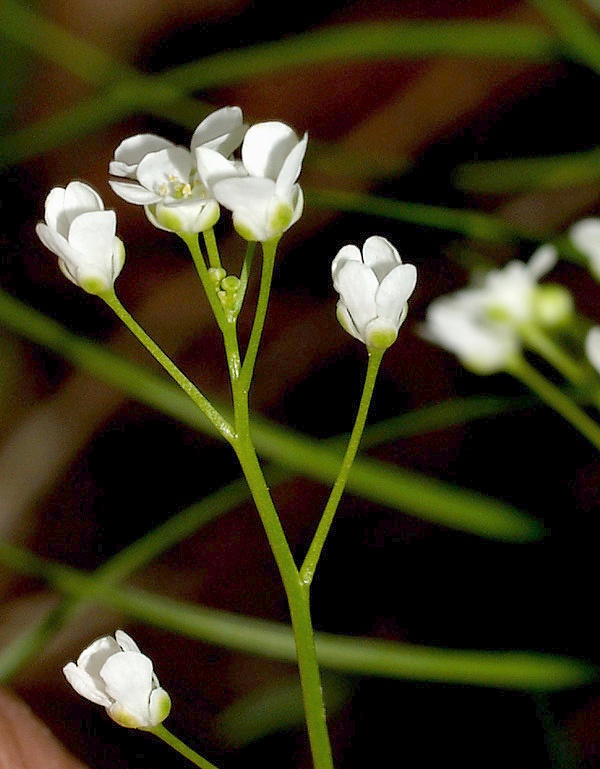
(592, 347)
(508, 294)
(482, 347)
(114, 673)
(374, 288)
(585, 236)
(480, 324)
(82, 235)
(164, 177)
(267, 200)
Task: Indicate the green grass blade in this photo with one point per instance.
(521, 671)
(410, 492)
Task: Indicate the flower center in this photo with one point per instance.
(177, 189)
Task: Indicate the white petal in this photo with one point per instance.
(134, 193)
(93, 234)
(244, 192)
(84, 684)
(130, 151)
(157, 168)
(212, 167)
(265, 148)
(357, 286)
(346, 322)
(290, 171)
(380, 255)
(80, 197)
(395, 290)
(93, 658)
(54, 241)
(126, 642)
(346, 253)
(128, 678)
(54, 211)
(221, 131)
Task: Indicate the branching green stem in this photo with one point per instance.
(555, 398)
(218, 421)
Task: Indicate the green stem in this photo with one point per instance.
(245, 274)
(541, 343)
(225, 322)
(174, 742)
(309, 565)
(217, 420)
(298, 598)
(212, 249)
(555, 398)
(269, 249)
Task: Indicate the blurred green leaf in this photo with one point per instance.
(394, 486)
(517, 670)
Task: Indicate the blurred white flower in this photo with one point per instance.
(165, 179)
(482, 347)
(585, 236)
(480, 324)
(114, 673)
(267, 200)
(508, 294)
(82, 235)
(592, 347)
(374, 288)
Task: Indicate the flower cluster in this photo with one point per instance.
(481, 324)
(114, 673)
(181, 189)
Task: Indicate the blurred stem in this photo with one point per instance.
(555, 398)
(216, 419)
(245, 273)
(311, 560)
(174, 742)
(543, 344)
(575, 31)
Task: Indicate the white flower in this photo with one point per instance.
(482, 347)
(82, 234)
(480, 324)
(508, 295)
(586, 238)
(114, 673)
(592, 347)
(267, 201)
(164, 177)
(374, 288)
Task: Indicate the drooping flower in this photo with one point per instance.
(82, 235)
(267, 200)
(374, 288)
(165, 179)
(585, 235)
(114, 673)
